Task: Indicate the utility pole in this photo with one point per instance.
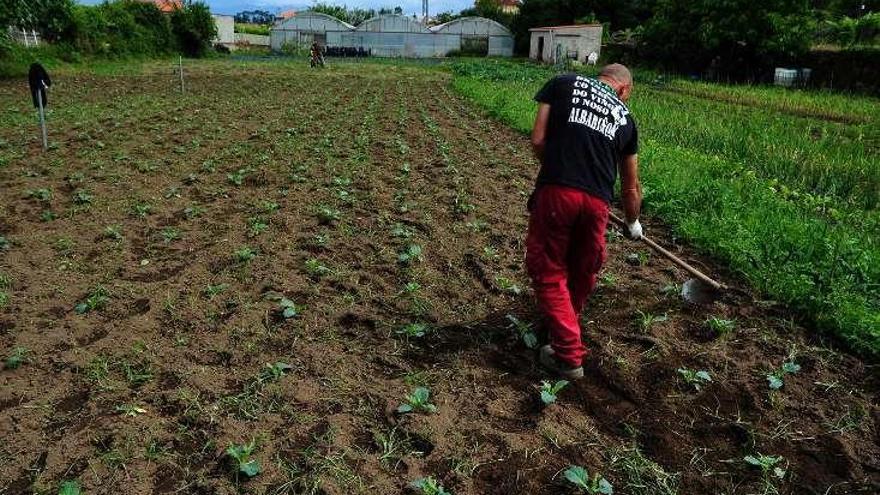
(425, 11)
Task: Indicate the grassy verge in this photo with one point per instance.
(808, 239)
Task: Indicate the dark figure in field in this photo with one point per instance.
(316, 55)
(38, 81)
(583, 135)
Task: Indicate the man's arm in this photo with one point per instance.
(539, 131)
(631, 193)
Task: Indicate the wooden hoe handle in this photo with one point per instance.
(671, 257)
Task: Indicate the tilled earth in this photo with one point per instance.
(147, 257)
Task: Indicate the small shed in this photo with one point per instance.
(559, 43)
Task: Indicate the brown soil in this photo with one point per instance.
(144, 394)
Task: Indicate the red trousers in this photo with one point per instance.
(565, 249)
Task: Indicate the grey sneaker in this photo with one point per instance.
(547, 358)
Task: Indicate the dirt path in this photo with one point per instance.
(372, 198)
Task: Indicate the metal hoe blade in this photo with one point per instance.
(696, 291)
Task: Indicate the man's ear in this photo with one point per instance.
(625, 91)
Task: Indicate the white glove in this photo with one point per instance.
(634, 230)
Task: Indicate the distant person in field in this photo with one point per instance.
(316, 55)
(583, 135)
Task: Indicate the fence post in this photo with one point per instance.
(180, 69)
(42, 119)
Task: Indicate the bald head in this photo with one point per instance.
(618, 77)
(617, 72)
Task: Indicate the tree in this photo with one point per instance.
(737, 36)
(53, 19)
(353, 16)
(194, 28)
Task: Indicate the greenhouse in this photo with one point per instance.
(395, 36)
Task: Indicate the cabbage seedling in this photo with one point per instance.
(774, 379)
(549, 391)
(97, 299)
(242, 456)
(418, 401)
(17, 358)
(413, 330)
(695, 378)
(316, 269)
(647, 320)
(287, 308)
(428, 486)
(69, 488)
(326, 214)
(244, 254)
(524, 330)
(579, 477)
(507, 285)
(720, 326)
(412, 252)
(767, 464)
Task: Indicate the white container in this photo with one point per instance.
(785, 77)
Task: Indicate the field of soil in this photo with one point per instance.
(147, 260)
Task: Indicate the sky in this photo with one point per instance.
(409, 6)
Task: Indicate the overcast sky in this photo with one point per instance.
(409, 6)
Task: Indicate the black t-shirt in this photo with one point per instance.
(588, 133)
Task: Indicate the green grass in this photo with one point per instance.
(796, 216)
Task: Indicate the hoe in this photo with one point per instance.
(698, 290)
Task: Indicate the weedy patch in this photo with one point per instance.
(642, 476)
(524, 330)
(775, 378)
(695, 379)
(242, 457)
(549, 391)
(584, 483)
(5, 245)
(94, 301)
(418, 401)
(18, 357)
(428, 486)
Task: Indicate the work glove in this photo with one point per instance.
(634, 230)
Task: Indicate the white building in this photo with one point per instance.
(395, 35)
(225, 29)
(559, 43)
